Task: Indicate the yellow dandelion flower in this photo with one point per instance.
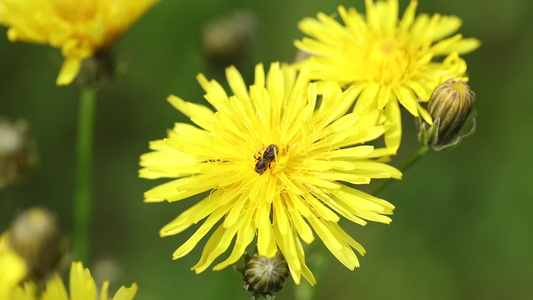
(277, 163)
(83, 287)
(392, 61)
(79, 28)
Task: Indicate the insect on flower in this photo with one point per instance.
(262, 163)
(308, 190)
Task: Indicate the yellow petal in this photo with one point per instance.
(189, 245)
(125, 293)
(69, 71)
(393, 126)
(55, 289)
(82, 284)
(245, 236)
(104, 291)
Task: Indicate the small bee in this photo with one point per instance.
(262, 163)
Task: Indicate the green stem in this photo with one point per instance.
(83, 191)
(408, 163)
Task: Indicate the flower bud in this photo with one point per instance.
(450, 105)
(35, 236)
(265, 276)
(18, 156)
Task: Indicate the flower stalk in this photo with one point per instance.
(83, 190)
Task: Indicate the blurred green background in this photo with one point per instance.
(463, 222)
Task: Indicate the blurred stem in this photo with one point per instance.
(83, 191)
(408, 163)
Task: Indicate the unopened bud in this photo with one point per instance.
(264, 276)
(36, 237)
(18, 156)
(450, 105)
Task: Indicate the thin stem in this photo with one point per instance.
(83, 191)
(408, 163)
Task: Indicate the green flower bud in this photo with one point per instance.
(264, 276)
(18, 154)
(35, 236)
(450, 106)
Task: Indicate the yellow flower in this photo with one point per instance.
(79, 28)
(391, 61)
(12, 267)
(276, 162)
(82, 287)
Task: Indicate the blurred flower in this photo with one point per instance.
(12, 267)
(36, 237)
(450, 105)
(389, 61)
(271, 157)
(226, 40)
(79, 28)
(82, 287)
(18, 154)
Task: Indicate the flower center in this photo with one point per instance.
(387, 47)
(388, 62)
(75, 11)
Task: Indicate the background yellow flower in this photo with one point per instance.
(392, 61)
(83, 287)
(79, 28)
